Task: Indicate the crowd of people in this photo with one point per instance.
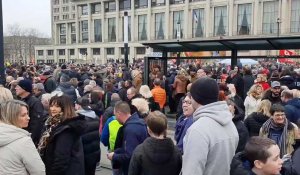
(239, 121)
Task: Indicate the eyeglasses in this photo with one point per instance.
(188, 102)
(279, 115)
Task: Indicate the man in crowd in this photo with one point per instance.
(159, 94)
(273, 94)
(134, 133)
(36, 109)
(213, 136)
(292, 107)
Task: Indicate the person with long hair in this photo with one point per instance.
(60, 145)
(253, 99)
(255, 120)
(18, 153)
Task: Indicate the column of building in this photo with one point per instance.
(132, 27)
(103, 27)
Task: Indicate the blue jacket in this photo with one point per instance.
(134, 133)
(292, 110)
(181, 127)
(105, 131)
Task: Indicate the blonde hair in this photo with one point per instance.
(264, 107)
(296, 93)
(253, 89)
(145, 91)
(5, 94)
(10, 111)
(263, 77)
(141, 104)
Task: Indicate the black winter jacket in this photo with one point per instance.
(37, 117)
(155, 156)
(254, 122)
(240, 165)
(91, 145)
(242, 130)
(268, 96)
(64, 153)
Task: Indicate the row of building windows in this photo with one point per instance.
(56, 2)
(96, 51)
(220, 26)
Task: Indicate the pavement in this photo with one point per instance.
(105, 166)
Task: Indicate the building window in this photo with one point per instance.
(125, 4)
(56, 2)
(61, 52)
(73, 16)
(49, 61)
(220, 21)
(110, 51)
(84, 31)
(198, 22)
(159, 26)
(96, 51)
(73, 8)
(142, 27)
(50, 52)
(72, 51)
(84, 10)
(61, 60)
(96, 8)
(110, 6)
(111, 29)
(129, 28)
(140, 50)
(56, 10)
(295, 16)
(40, 52)
(244, 19)
(123, 50)
(157, 3)
(56, 18)
(83, 51)
(66, 16)
(270, 15)
(141, 3)
(176, 1)
(65, 9)
(65, 1)
(62, 33)
(178, 24)
(97, 30)
(73, 33)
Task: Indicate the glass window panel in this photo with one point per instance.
(178, 22)
(244, 19)
(85, 31)
(111, 29)
(295, 16)
(142, 27)
(159, 26)
(97, 30)
(270, 15)
(198, 22)
(96, 8)
(220, 21)
(84, 9)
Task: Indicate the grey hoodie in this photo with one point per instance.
(18, 153)
(88, 113)
(210, 143)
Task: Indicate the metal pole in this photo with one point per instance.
(126, 38)
(278, 27)
(2, 68)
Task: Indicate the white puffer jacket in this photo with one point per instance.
(18, 155)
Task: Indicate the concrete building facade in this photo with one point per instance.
(92, 30)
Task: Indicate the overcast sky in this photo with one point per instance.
(28, 14)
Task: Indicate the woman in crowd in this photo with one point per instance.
(184, 121)
(60, 145)
(262, 80)
(255, 120)
(142, 107)
(18, 153)
(238, 116)
(179, 86)
(279, 129)
(146, 94)
(96, 102)
(253, 99)
(157, 154)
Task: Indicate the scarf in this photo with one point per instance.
(269, 124)
(50, 124)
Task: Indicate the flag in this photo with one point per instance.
(195, 17)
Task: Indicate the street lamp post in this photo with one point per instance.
(178, 35)
(278, 26)
(126, 38)
(2, 69)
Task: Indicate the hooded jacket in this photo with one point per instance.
(134, 133)
(67, 89)
(240, 165)
(155, 156)
(210, 142)
(292, 110)
(254, 122)
(64, 153)
(18, 153)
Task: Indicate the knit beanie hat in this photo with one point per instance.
(26, 85)
(205, 91)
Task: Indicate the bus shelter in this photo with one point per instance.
(233, 45)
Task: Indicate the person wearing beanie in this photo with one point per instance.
(212, 139)
(36, 109)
